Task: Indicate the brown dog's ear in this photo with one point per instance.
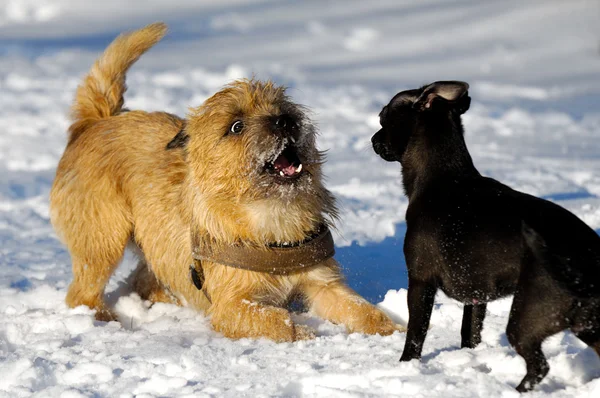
(454, 92)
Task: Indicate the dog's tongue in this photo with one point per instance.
(283, 164)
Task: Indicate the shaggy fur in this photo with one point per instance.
(156, 181)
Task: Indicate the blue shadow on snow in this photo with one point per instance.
(555, 197)
(375, 268)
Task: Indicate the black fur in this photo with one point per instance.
(478, 240)
(180, 140)
(197, 276)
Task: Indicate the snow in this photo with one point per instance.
(534, 124)
(170, 351)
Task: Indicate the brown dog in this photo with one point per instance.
(241, 171)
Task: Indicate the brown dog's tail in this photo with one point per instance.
(101, 93)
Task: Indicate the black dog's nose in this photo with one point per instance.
(377, 146)
(285, 123)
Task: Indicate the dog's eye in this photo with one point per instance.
(236, 127)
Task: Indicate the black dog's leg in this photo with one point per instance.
(472, 324)
(537, 366)
(586, 322)
(420, 304)
(539, 310)
(520, 333)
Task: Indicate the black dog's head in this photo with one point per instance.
(423, 110)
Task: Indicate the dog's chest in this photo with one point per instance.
(277, 221)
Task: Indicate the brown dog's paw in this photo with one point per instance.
(383, 329)
(303, 332)
(374, 321)
(105, 315)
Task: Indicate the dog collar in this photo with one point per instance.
(274, 259)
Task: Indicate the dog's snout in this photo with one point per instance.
(382, 149)
(285, 123)
(376, 142)
(377, 146)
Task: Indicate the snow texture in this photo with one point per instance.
(534, 124)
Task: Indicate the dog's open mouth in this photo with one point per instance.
(286, 166)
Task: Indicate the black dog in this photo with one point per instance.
(479, 240)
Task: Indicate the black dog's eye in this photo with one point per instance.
(236, 127)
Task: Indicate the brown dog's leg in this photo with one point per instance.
(96, 246)
(238, 318)
(90, 276)
(145, 284)
(338, 303)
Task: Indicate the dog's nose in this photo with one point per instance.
(377, 147)
(285, 123)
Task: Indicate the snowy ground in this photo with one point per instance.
(534, 124)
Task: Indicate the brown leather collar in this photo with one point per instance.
(274, 259)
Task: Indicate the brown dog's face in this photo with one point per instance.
(249, 141)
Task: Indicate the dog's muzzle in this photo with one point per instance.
(382, 150)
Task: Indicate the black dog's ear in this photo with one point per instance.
(454, 92)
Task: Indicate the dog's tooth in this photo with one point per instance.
(281, 173)
(299, 168)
